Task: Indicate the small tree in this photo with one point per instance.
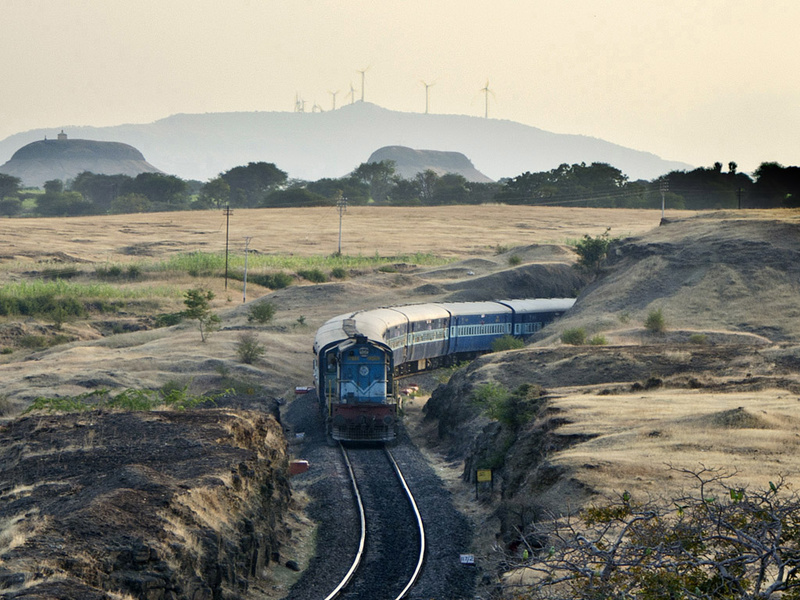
(592, 251)
(10, 206)
(198, 308)
(654, 323)
(719, 541)
(574, 337)
(248, 348)
(262, 312)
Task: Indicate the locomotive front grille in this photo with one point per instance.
(355, 433)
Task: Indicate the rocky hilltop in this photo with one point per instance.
(408, 162)
(63, 159)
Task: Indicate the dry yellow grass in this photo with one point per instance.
(446, 231)
(756, 435)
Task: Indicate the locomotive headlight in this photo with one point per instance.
(388, 420)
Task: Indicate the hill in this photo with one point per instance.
(63, 159)
(331, 144)
(408, 162)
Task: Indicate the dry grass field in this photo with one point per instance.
(452, 231)
(150, 357)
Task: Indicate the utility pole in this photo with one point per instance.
(228, 213)
(739, 195)
(664, 188)
(341, 204)
(244, 288)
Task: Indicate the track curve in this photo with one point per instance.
(392, 548)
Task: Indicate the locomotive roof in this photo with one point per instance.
(475, 308)
(539, 304)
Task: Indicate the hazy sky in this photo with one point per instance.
(697, 81)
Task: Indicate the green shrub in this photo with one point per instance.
(262, 312)
(514, 260)
(168, 319)
(574, 337)
(654, 323)
(248, 348)
(273, 281)
(512, 409)
(130, 399)
(7, 350)
(598, 340)
(444, 375)
(698, 338)
(33, 342)
(507, 342)
(6, 405)
(339, 273)
(592, 251)
(60, 273)
(313, 275)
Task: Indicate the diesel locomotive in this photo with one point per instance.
(359, 356)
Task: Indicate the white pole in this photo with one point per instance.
(244, 288)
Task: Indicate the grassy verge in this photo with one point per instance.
(206, 263)
(130, 399)
(59, 299)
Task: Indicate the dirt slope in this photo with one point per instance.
(711, 272)
(155, 505)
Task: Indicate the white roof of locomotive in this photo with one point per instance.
(532, 305)
(474, 308)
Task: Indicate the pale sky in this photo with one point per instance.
(697, 81)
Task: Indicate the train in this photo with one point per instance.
(359, 357)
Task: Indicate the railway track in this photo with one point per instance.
(392, 542)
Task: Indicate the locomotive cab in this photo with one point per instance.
(361, 406)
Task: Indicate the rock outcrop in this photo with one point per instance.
(63, 159)
(408, 162)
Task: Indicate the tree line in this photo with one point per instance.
(264, 185)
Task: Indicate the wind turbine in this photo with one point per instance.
(333, 94)
(352, 93)
(485, 89)
(427, 85)
(362, 71)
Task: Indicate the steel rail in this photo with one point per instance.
(420, 527)
(362, 542)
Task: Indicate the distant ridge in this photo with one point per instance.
(63, 159)
(331, 144)
(408, 162)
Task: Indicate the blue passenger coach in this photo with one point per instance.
(358, 356)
